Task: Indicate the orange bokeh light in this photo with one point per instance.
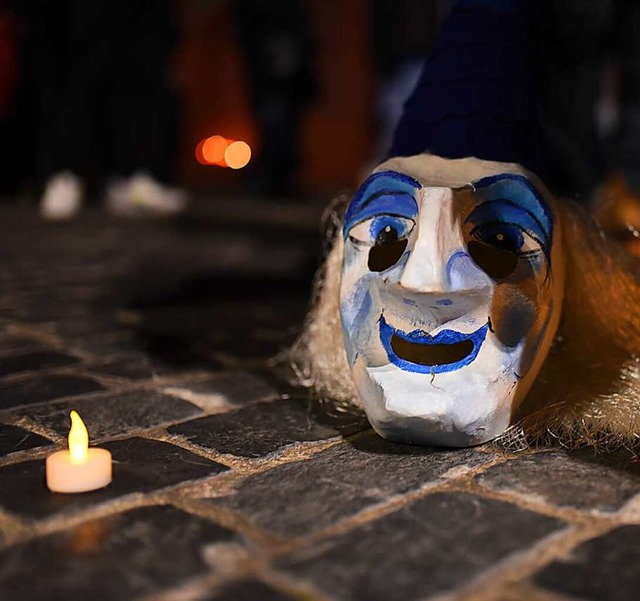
(213, 150)
(220, 151)
(237, 155)
(199, 156)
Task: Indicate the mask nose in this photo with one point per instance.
(438, 238)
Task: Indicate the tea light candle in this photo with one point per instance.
(80, 469)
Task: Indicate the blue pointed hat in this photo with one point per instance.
(476, 96)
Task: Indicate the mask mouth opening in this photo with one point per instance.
(420, 352)
(431, 354)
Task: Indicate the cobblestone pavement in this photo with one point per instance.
(228, 484)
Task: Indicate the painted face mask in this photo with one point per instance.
(449, 297)
(453, 264)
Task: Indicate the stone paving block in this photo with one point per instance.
(142, 551)
(250, 590)
(570, 479)
(139, 466)
(250, 329)
(33, 361)
(7, 314)
(346, 421)
(18, 344)
(340, 482)
(14, 439)
(45, 388)
(136, 367)
(602, 568)
(95, 325)
(234, 387)
(49, 310)
(432, 546)
(100, 346)
(255, 431)
(114, 414)
(140, 366)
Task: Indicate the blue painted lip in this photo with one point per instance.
(442, 338)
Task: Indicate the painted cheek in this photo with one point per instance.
(513, 312)
(464, 274)
(351, 256)
(355, 308)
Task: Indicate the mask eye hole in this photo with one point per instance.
(385, 236)
(496, 247)
(386, 254)
(496, 262)
(389, 242)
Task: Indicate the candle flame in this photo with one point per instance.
(78, 439)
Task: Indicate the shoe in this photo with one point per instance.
(142, 195)
(62, 198)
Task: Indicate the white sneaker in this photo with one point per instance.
(142, 195)
(62, 198)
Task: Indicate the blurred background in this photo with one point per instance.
(144, 107)
(107, 90)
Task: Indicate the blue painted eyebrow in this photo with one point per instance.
(384, 193)
(510, 193)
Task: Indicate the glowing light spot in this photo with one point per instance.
(237, 155)
(223, 152)
(199, 156)
(213, 150)
(78, 439)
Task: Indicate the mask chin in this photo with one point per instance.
(420, 431)
(410, 408)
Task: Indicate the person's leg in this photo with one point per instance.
(62, 113)
(144, 108)
(142, 113)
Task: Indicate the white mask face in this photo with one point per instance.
(450, 297)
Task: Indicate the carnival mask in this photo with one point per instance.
(454, 262)
(450, 296)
